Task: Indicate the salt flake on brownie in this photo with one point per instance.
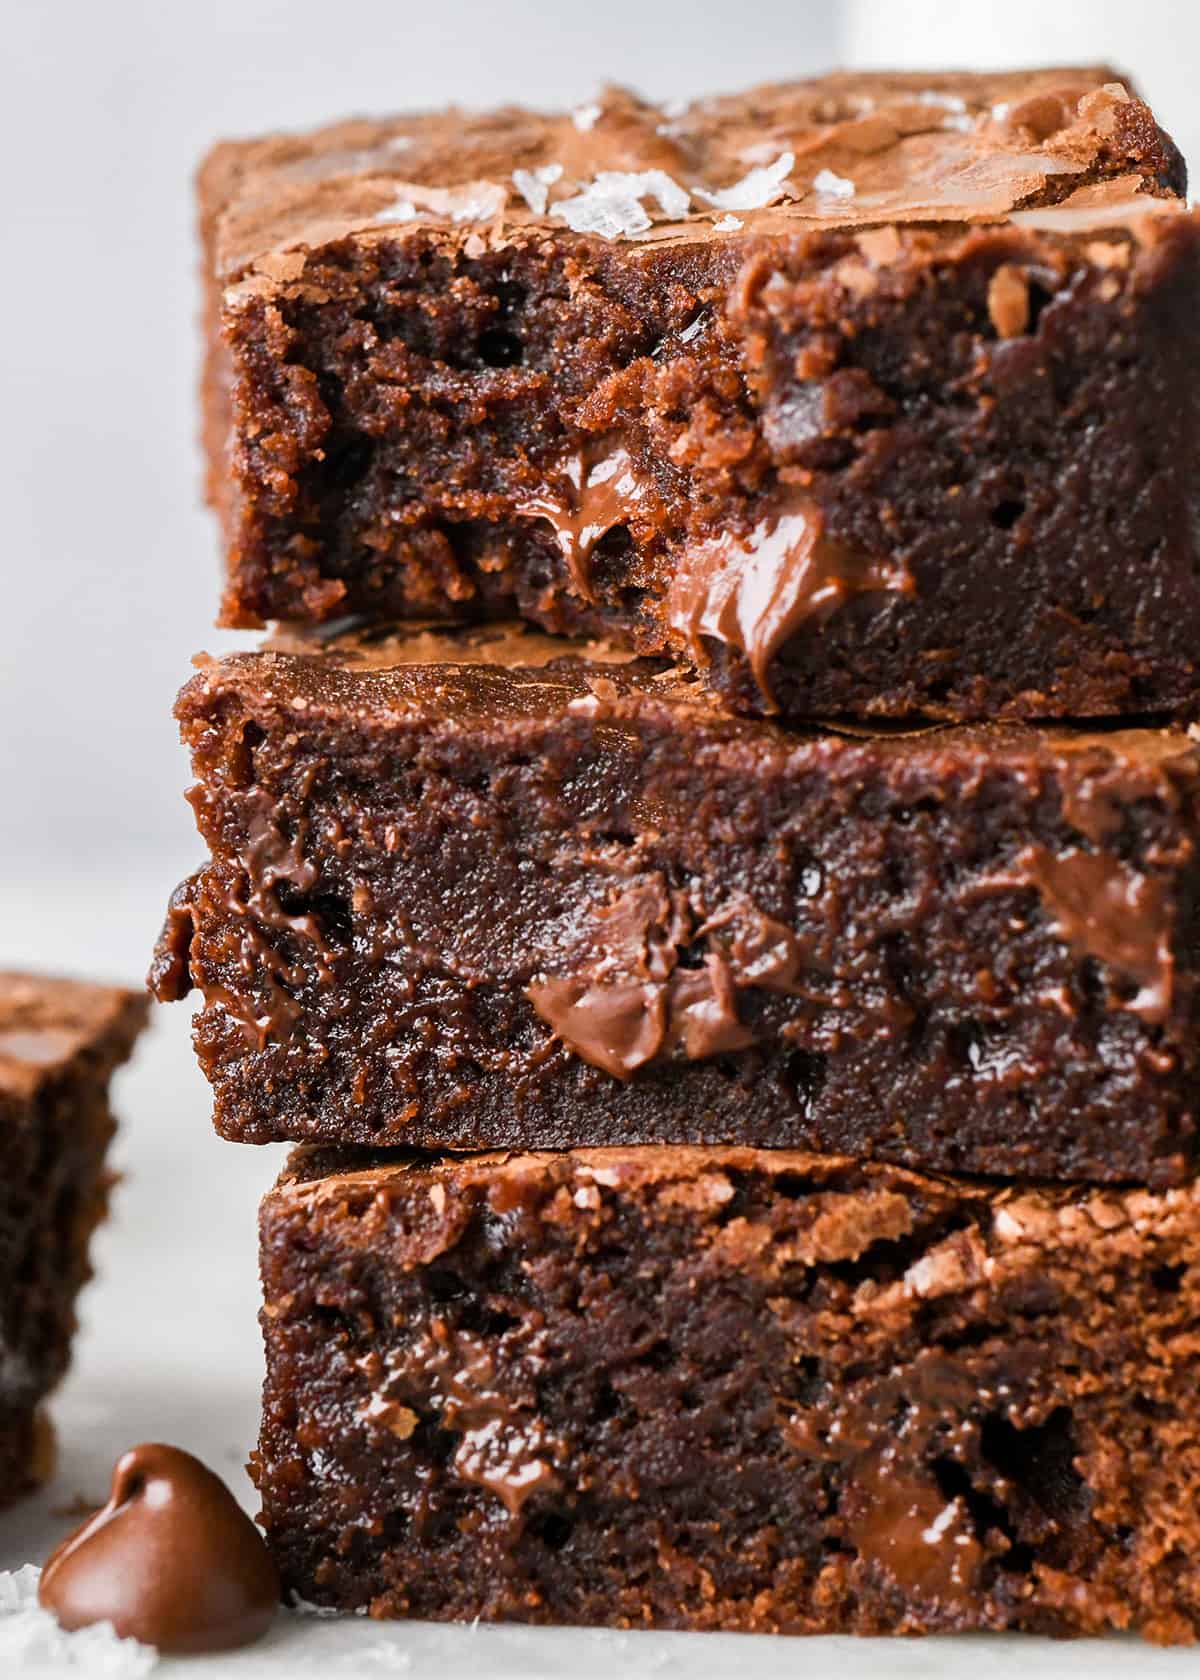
(611, 205)
(756, 189)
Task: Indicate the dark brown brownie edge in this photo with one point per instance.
(60, 1042)
(744, 1390)
(467, 907)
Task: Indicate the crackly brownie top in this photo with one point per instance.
(477, 676)
(46, 1023)
(843, 150)
(860, 1201)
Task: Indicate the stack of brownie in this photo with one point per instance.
(745, 1055)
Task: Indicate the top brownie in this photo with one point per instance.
(873, 394)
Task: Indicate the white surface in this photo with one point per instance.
(169, 1350)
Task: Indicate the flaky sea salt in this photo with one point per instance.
(320, 1612)
(612, 207)
(534, 185)
(586, 117)
(833, 186)
(755, 190)
(956, 114)
(404, 210)
(474, 201)
(947, 101)
(31, 1639)
(728, 224)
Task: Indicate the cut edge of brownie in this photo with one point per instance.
(617, 483)
(728, 1388)
(61, 1041)
(692, 918)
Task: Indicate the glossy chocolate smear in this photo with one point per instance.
(171, 1560)
(755, 593)
(628, 1001)
(598, 495)
(1104, 909)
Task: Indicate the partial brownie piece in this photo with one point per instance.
(542, 902)
(735, 1389)
(60, 1041)
(874, 394)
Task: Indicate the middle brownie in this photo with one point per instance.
(474, 891)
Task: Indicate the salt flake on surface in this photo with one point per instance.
(302, 1607)
(534, 185)
(833, 186)
(957, 116)
(611, 205)
(30, 1638)
(946, 101)
(940, 1524)
(728, 224)
(755, 190)
(586, 117)
(404, 210)
(474, 201)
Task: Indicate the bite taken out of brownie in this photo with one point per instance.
(60, 1042)
(874, 394)
(735, 1389)
(487, 890)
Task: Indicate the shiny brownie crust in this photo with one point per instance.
(542, 902)
(60, 1041)
(730, 1389)
(914, 436)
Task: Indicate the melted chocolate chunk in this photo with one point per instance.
(171, 1560)
(754, 593)
(602, 493)
(630, 1001)
(1102, 908)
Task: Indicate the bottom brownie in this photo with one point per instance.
(60, 1041)
(728, 1388)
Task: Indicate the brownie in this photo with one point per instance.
(60, 1041)
(874, 394)
(740, 1389)
(546, 902)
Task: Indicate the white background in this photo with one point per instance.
(109, 573)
